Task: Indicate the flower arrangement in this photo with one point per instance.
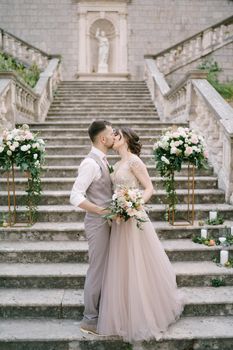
(175, 147)
(127, 203)
(21, 148)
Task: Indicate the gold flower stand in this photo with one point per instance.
(12, 201)
(189, 220)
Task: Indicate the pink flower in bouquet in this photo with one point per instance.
(188, 151)
(206, 154)
(28, 136)
(194, 139)
(132, 212)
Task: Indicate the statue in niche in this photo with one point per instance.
(103, 53)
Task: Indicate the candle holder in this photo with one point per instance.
(13, 219)
(189, 220)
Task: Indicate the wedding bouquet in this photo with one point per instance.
(127, 203)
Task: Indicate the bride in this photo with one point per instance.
(139, 296)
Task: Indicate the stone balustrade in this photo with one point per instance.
(194, 47)
(21, 104)
(23, 51)
(195, 101)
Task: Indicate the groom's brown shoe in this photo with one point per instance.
(88, 328)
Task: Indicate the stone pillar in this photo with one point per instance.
(123, 42)
(82, 41)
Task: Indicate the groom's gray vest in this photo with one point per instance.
(100, 191)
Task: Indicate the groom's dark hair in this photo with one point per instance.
(96, 127)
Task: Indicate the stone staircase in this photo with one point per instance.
(42, 268)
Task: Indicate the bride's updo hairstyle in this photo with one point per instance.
(132, 140)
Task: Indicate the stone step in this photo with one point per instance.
(92, 98)
(68, 303)
(102, 93)
(102, 103)
(74, 231)
(58, 197)
(72, 170)
(85, 140)
(72, 132)
(104, 108)
(201, 332)
(95, 110)
(72, 275)
(65, 184)
(64, 213)
(75, 160)
(76, 125)
(103, 114)
(156, 124)
(77, 251)
(152, 118)
(84, 149)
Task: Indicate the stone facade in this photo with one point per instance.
(153, 25)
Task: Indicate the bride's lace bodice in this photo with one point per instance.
(123, 174)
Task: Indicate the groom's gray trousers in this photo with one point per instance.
(97, 233)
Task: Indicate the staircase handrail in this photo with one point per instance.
(194, 47)
(19, 103)
(24, 51)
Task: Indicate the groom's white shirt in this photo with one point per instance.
(88, 171)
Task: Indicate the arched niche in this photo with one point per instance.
(110, 16)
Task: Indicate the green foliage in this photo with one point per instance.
(29, 75)
(218, 282)
(206, 241)
(224, 89)
(218, 221)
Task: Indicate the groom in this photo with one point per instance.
(92, 191)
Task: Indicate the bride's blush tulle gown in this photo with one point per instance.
(139, 297)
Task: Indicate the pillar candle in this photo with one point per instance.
(222, 239)
(203, 233)
(223, 257)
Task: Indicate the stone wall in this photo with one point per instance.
(153, 25)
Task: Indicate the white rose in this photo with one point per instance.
(9, 153)
(9, 137)
(12, 148)
(16, 144)
(35, 156)
(165, 160)
(8, 143)
(173, 150)
(24, 148)
(1, 149)
(17, 138)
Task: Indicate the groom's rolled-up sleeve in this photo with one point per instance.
(88, 171)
